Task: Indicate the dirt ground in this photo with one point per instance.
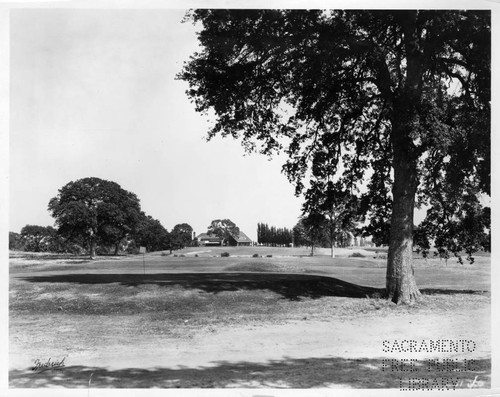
(211, 337)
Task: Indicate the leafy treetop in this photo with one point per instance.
(95, 210)
(391, 105)
(224, 229)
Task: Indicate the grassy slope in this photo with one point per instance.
(209, 288)
(179, 297)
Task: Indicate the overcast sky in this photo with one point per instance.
(93, 93)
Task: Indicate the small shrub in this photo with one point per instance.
(269, 256)
(255, 255)
(196, 255)
(175, 255)
(225, 254)
(356, 255)
(182, 256)
(164, 254)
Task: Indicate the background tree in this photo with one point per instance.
(35, 238)
(367, 95)
(338, 207)
(181, 235)
(93, 210)
(273, 236)
(223, 229)
(150, 233)
(300, 237)
(15, 242)
(311, 231)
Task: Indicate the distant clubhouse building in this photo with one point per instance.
(211, 240)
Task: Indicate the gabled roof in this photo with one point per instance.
(242, 238)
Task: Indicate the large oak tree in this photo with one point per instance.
(393, 101)
(223, 229)
(95, 210)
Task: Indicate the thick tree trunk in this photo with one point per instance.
(400, 281)
(117, 248)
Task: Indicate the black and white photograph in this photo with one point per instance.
(238, 199)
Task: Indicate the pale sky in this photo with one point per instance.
(93, 94)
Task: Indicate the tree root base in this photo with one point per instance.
(404, 299)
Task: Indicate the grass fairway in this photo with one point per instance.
(201, 320)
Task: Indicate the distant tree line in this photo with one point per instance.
(34, 238)
(98, 216)
(274, 236)
(312, 230)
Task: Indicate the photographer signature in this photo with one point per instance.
(41, 366)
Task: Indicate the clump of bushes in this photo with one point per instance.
(196, 255)
(225, 254)
(182, 256)
(269, 256)
(255, 255)
(356, 255)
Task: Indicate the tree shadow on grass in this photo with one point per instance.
(286, 373)
(442, 291)
(50, 257)
(289, 286)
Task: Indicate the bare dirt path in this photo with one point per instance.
(298, 354)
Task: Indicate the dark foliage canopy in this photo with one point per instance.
(390, 105)
(223, 229)
(36, 238)
(95, 211)
(181, 235)
(273, 236)
(150, 233)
